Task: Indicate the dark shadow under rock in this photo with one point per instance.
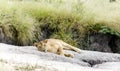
(115, 44)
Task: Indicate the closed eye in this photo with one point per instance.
(39, 46)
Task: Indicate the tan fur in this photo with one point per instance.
(55, 46)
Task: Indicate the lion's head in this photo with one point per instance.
(41, 45)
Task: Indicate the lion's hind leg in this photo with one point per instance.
(61, 52)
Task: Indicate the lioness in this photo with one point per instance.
(55, 46)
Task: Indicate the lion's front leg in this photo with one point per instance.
(69, 55)
(60, 51)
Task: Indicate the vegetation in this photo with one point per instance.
(26, 21)
(28, 67)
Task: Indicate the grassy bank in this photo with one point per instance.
(26, 21)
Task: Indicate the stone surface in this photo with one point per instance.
(28, 58)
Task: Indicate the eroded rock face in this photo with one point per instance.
(102, 48)
(104, 42)
(100, 42)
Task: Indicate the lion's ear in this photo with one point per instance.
(35, 44)
(45, 41)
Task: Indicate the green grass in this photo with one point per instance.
(69, 20)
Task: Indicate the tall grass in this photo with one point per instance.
(16, 24)
(24, 20)
(104, 12)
